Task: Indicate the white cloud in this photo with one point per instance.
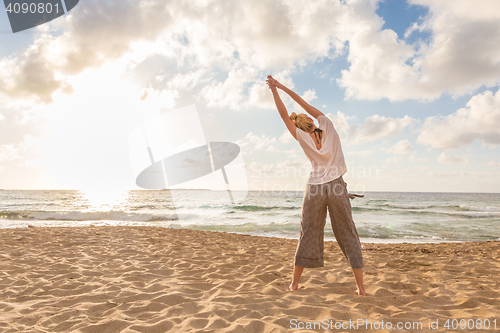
(8, 153)
(444, 158)
(261, 96)
(263, 35)
(340, 122)
(309, 95)
(362, 153)
(2, 117)
(230, 93)
(480, 120)
(286, 137)
(460, 56)
(292, 151)
(252, 142)
(166, 98)
(494, 164)
(401, 147)
(394, 159)
(94, 34)
(376, 127)
(414, 159)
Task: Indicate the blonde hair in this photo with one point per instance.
(302, 121)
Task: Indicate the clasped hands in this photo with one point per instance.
(273, 83)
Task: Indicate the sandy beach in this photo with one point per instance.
(151, 279)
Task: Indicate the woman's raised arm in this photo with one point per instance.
(282, 109)
(306, 106)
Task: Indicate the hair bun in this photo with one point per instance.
(293, 116)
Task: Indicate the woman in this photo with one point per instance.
(326, 189)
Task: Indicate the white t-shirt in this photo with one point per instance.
(327, 163)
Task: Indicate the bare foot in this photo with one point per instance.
(360, 292)
(293, 287)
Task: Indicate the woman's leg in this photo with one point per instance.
(358, 276)
(310, 248)
(344, 229)
(297, 272)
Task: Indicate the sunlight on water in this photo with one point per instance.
(102, 200)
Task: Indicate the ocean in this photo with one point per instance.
(380, 217)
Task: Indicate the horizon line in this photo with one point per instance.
(224, 190)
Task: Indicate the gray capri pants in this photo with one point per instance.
(317, 198)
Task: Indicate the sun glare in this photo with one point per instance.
(102, 200)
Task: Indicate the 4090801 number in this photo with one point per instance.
(478, 324)
(40, 8)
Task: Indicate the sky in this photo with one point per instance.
(412, 88)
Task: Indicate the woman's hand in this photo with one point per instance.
(274, 82)
(270, 82)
